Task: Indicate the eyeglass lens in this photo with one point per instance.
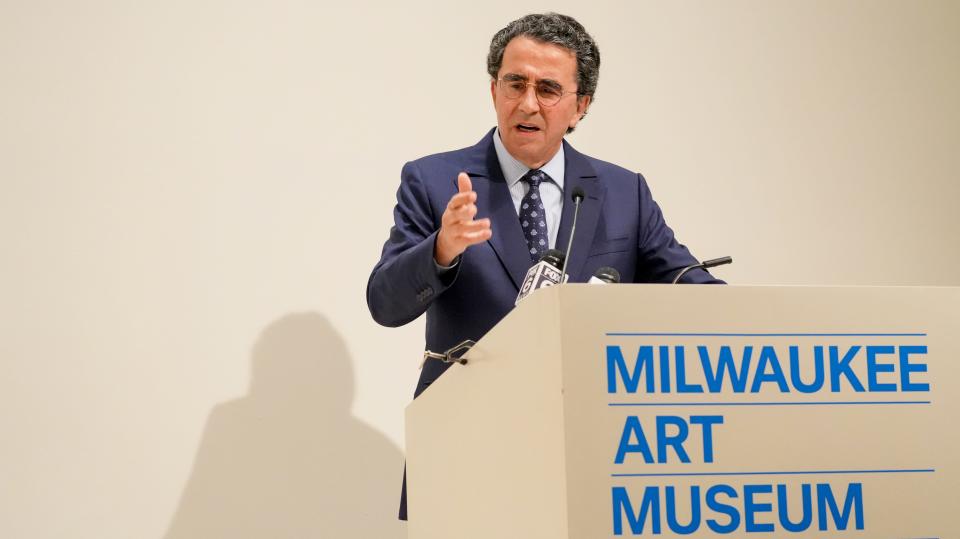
(546, 93)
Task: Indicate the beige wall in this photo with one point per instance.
(192, 195)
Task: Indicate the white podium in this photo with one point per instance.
(698, 411)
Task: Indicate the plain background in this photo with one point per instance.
(192, 195)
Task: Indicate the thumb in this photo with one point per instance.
(463, 183)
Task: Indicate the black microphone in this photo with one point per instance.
(706, 264)
(577, 196)
(605, 275)
(544, 273)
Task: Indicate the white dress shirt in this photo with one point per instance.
(551, 193)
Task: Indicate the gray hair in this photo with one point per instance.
(557, 29)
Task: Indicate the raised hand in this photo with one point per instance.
(458, 229)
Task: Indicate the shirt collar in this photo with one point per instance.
(513, 169)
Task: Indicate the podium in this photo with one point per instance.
(698, 411)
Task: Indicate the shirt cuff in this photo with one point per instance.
(442, 270)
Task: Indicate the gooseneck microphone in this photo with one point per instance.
(577, 196)
(706, 264)
(544, 273)
(605, 275)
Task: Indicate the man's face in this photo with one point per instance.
(532, 132)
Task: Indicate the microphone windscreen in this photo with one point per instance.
(607, 275)
(553, 257)
(544, 273)
(578, 194)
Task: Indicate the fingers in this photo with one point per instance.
(455, 237)
(465, 194)
(474, 232)
(465, 212)
(464, 185)
(462, 206)
(460, 200)
(458, 228)
(475, 226)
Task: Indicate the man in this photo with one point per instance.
(469, 223)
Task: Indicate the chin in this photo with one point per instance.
(529, 150)
(530, 158)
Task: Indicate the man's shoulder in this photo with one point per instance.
(612, 170)
(463, 159)
(440, 158)
(606, 171)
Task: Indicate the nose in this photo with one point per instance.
(528, 101)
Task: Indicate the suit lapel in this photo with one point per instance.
(494, 201)
(579, 172)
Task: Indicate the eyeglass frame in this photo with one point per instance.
(522, 79)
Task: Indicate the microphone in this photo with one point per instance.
(577, 196)
(544, 273)
(605, 275)
(706, 264)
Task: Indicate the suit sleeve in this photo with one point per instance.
(661, 256)
(406, 280)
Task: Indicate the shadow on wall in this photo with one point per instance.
(289, 460)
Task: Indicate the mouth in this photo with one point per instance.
(527, 128)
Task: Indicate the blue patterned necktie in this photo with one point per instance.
(533, 219)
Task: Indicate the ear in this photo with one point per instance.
(583, 102)
(493, 91)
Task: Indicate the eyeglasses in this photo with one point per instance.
(548, 93)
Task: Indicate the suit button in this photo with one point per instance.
(424, 294)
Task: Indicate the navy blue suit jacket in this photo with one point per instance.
(619, 225)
